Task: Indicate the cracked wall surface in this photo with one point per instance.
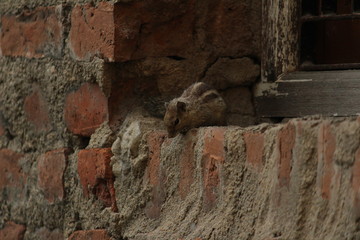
(77, 75)
(83, 149)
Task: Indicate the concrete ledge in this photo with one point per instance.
(263, 182)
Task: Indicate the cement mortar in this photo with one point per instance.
(247, 207)
(250, 204)
(55, 79)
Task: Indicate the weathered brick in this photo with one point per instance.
(36, 110)
(11, 174)
(85, 109)
(98, 234)
(326, 149)
(286, 143)
(254, 143)
(96, 175)
(2, 127)
(45, 234)
(154, 141)
(153, 28)
(187, 164)
(226, 73)
(126, 94)
(132, 30)
(12, 231)
(154, 174)
(33, 33)
(240, 107)
(92, 31)
(51, 167)
(355, 183)
(2, 130)
(233, 27)
(238, 100)
(212, 160)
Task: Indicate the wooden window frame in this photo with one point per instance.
(286, 92)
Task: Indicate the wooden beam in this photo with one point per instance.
(280, 38)
(331, 93)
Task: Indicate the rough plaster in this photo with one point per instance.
(250, 206)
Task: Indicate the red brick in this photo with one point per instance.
(187, 164)
(286, 142)
(32, 33)
(96, 175)
(85, 109)
(299, 128)
(154, 141)
(45, 234)
(154, 174)
(2, 127)
(132, 30)
(123, 98)
(212, 160)
(36, 110)
(326, 149)
(92, 31)
(355, 182)
(2, 130)
(254, 143)
(51, 167)
(98, 234)
(11, 174)
(154, 28)
(12, 231)
(233, 27)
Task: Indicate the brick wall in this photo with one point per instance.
(84, 154)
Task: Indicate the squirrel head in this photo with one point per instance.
(175, 111)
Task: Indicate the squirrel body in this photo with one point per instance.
(199, 105)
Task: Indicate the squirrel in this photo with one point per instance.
(199, 105)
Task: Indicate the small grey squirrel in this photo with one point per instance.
(199, 105)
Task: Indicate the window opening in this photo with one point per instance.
(356, 5)
(330, 34)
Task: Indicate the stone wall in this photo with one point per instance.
(84, 154)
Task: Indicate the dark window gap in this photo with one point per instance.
(308, 32)
(344, 7)
(330, 42)
(178, 58)
(356, 5)
(328, 7)
(310, 7)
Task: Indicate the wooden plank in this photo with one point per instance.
(307, 66)
(329, 17)
(296, 98)
(321, 75)
(280, 38)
